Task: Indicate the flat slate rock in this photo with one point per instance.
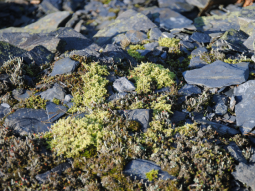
(155, 33)
(250, 42)
(235, 152)
(136, 37)
(144, 116)
(218, 74)
(44, 25)
(139, 167)
(246, 18)
(25, 121)
(199, 51)
(178, 116)
(245, 173)
(28, 41)
(123, 85)
(24, 95)
(188, 90)
(4, 111)
(196, 62)
(171, 19)
(128, 20)
(245, 106)
(55, 92)
(51, 6)
(200, 37)
(64, 66)
(176, 5)
(55, 111)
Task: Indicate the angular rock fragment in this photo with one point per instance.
(55, 92)
(123, 85)
(189, 90)
(218, 74)
(200, 37)
(55, 111)
(235, 152)
(64, 66)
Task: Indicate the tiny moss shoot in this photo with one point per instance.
(152, 175)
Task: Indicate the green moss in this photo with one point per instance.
(152, 175)
(34, 102)
(147, 73)
(56, 101)
(132, 52)
(134, 126)
(93, 90)
(169, 42)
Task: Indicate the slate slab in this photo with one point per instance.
(135, 37)
(155, 33)
(199, 51)
(64, 66)
(139, 167)
(144, 116)
(128, 20)
(26, 121)
(218, 74)
(196, 62)
(176, 5)
(178, 116)
(245, 105)
(200, 37)
(246, 18)
(46, 24)
(55, 92)
(250, 42)
(235, 152)
(4, 111)
(23, 95)
(123, 85)
(188, 90)
(245, 173)
(151, 46)
(55, 111)
(51, 6)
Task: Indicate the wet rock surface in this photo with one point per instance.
(121, 95)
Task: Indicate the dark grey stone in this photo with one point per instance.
(187, 44)
(245, 174)
(155, 33)
(245, 106)
(235, 152)
(178, 116)
(119, 38)
(51, 6)
(199, 51)
(196, 62)
(4, 111)
(64, 66)
(189, 90)
(220, 99)
(24, 95)
(246, 18)
(55, 111)
(26, 121)
(199, 3)
(218, 74)
(117, 96)
(58, 169)
(139, 167)
(143, 52)
(136, 36)
(151, 46)
(128, 20)
(220, 128)
(164, 55)
(144, 116)
(250, 42)
(200, 37)
(165, 89)
(123, 85)
(167, 35)
(55, 92)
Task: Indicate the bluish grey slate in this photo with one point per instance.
(26, 94)
(189, 90)
(4, 111)
(245, 174)
(143, 52)
(235, 152)
(156, 52)
(220, 109)
(118, 39)
(187, 44)
(199, 51)
(26, 121)
(250, 42)
(40, 55)
(123, 85)
(55, 92)
(151, 46)
(55, 111)
(220, 128)
(167, 35)
(117, 96)
(136, 37)
(171, 19)
(199, 3)
(7, 50)
(113, 53)
(176, 5)
(28, 41)
(155, 33)
(111, 77)
(165, 89)
(64, 66)
(164, 55)
(139, 167)
(44, 177)
(46, 24)
(51, 6)
(144, 116)
(196, 62)
(178, 116)
(218, 74)
(200, 37)
(73, 39)
(246, 18)
(220, 99)
(245, 106)
(252, 158)
(128, 20)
